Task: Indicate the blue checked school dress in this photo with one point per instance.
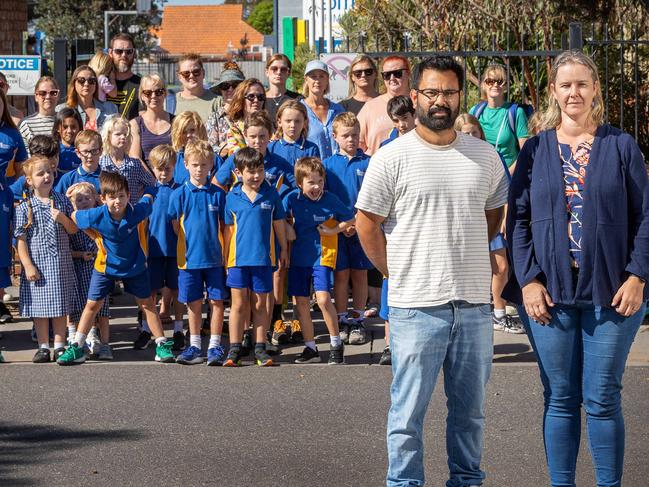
(49, 248)
(80, 242)
(132, 169)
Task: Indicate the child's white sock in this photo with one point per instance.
(335, 340)
(160, 340)
(215, 341)
(145, 326)
(499, 313)
(80, 339)
(311, 344)
(59, 345)
(44, 345)
(72, 330)
(195, 341)
(178, 326)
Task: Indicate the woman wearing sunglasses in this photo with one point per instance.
(249, 97)
(83, 97)
(230, 78)
(278, 69)
(151, 127)
(46, 93)
(363, 83)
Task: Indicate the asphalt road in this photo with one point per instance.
(147, 424)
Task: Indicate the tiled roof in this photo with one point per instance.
(204, 29)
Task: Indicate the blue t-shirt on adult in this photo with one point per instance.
(322, 134)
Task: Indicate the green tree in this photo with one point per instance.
(70, 19)
(261, 17)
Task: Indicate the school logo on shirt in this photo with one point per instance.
(271, 178)
(213, 207)
(5, 208)
(129, 230)
(360, 173)
(318, 218)
(266, 206)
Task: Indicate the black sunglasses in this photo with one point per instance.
(225, 86)
(255, 96)
(128, 51)
(186, 74)
(82, 81)
(158, 92)
(359, 72)
(397, 73)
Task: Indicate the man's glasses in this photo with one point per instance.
(194, 72)
(82, 81)
(128, 51)
(90, 152)
(367, 72)
(281, 69)
(492, 82)
(44, 94)
(255, 96)
(397, 73)
(158, 92)
(434, 94)
(226, 86)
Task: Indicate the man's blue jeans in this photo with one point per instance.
(582, 353)
(457, 336)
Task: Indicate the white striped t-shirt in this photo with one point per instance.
(33, 125)
(434, 199)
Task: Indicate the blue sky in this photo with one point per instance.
(194, 2)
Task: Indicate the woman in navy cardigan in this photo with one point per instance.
(578, 232)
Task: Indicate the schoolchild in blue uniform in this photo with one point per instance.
(290, 137)
(47, 283)
(12, 147)
(254, 216)
(196, 210)
(163, 268)
(88, 148)
(67, 125)
(185, 127)
(345, 172)
(40, 145)
(119, 229)
(318, 217)
(6, 223)
(402, 113)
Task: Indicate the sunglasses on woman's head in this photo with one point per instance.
(195, 72)
(82, 81)
(226, 86)
(158, 92)
(367, 72)
(397, 73)
(52, 93)
(255, 96)
(497, 82)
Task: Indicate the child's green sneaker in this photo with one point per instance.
(163, 352)
(73, 355)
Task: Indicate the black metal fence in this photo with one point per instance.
(623, 64)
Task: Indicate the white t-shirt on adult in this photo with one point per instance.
(434, 199)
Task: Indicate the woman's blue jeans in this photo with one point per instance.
(582, 353)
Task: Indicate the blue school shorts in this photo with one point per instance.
(351, 255)
(101, 285)
(163, 272)
(258, 279)
(498, 243)
(5, 277)
(192, 284)
(384, 312)
(299, 280)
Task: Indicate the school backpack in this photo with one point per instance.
(477, 110)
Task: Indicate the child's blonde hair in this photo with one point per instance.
(83, 187)
(179, 125)
(161, 156)
(102, 64)
(111, 126)
(86, 137)
(199, 149)
(28, 169)
(345, 119)
(468, 119)
(292, 105)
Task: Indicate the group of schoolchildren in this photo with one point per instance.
(272, 221)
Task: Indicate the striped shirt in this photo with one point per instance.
(434, 199)
(133, 170)
(33, 125)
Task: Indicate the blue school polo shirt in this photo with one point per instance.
(253, 239)
(310, 248)
(121, 245)
(345, 176)
(68, 159)
(12, 148)
(77, 176)
(162, 238)
(199, 212)
(277, 172)
(181, 174)
(18, 189)
(394, 133)
(292, 151)
(6, 219)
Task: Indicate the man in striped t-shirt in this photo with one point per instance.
(430, 202)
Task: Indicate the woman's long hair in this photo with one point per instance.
(73, 98)
(238, 103)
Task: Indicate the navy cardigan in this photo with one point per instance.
(615, 220)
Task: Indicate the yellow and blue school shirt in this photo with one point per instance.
(253, 239)
(292, 151)
(181, 174)
(345, 176)
(12, 150)
(277, 172)
(6, 219)
(310, 248)
(162, 238)
(121, 245)
(68, 159)
(199, 211)
(77, 176)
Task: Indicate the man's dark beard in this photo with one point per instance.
(435, 124)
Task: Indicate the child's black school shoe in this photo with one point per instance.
(246, 344)
(337, 355)
(308, 356)
(142, 341)
(42, 356)
(179, 341)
